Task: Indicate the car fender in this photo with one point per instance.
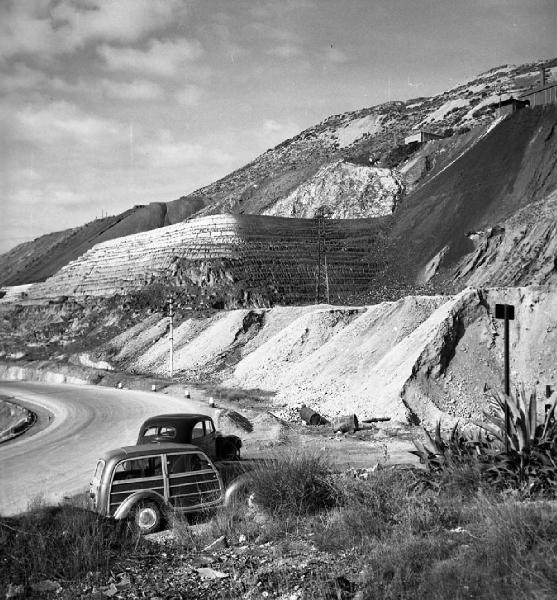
(240, 485)
(132, 500)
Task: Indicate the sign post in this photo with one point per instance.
(171, 323)
(506, 312)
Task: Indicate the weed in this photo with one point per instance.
(388, 501)
(58, 542)
(296, 485)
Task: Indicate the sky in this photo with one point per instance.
(105, 104)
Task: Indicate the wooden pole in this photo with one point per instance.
(171, 322)
(507, 381)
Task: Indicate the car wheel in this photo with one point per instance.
(230, 451)
(147, 517)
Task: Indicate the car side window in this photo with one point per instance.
(150, 432)
(209, 427)
(198, 430)
(187, 463)
(200, 463)
(178, 463)
(139, 468)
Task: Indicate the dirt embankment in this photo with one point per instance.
(414, 360)
(520, 250)
(505, 171)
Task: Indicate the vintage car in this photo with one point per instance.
(190, 428)
(147, 483)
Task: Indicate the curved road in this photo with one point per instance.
(57, 457)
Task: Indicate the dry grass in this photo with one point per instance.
(58, 542)
(389, 537)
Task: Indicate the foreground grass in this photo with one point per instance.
(59, 543)
(329, 537)
(395, 540)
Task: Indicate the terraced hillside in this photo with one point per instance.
(351, 165)
(232, 260)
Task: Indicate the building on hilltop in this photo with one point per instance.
(509, 106)
(421, 135)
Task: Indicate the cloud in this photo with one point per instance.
(336, 55)
(160, 58)
(26, 27)
(223, 30)
(121, 20)
(21, 77)
(285, 51)
(48, 194)
(138, 89)
(266, 31)
(189, 95)
(273, 132)
(273, 9)
(45, 27)
(64, 122)
(166, 152)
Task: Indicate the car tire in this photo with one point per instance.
(147, 517)
(230, 451)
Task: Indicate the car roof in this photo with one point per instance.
(174, 417)
(148, 450)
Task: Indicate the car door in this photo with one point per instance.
(203, 435)
(193, 481)
(136, 475)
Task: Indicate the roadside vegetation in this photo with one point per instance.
(480, 521)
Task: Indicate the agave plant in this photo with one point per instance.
(521, 432)
(516, 452)
(529, 457)
(460, 447)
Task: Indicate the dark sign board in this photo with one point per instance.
(503, 311)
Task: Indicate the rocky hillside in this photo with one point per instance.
(350, 165)
(482, 181)
(415, 360)
(501, 172)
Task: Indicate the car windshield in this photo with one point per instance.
(198, 431)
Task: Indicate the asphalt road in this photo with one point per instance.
(57, 456)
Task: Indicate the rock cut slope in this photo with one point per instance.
(416, 360)
(513, 165)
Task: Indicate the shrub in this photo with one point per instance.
(505, 551)
(295, 485)
(516, 453)
(388, 501)
(59, 542)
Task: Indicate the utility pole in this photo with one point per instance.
(327, 282)
(506, 312)
(320, 248)
(171, 331)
